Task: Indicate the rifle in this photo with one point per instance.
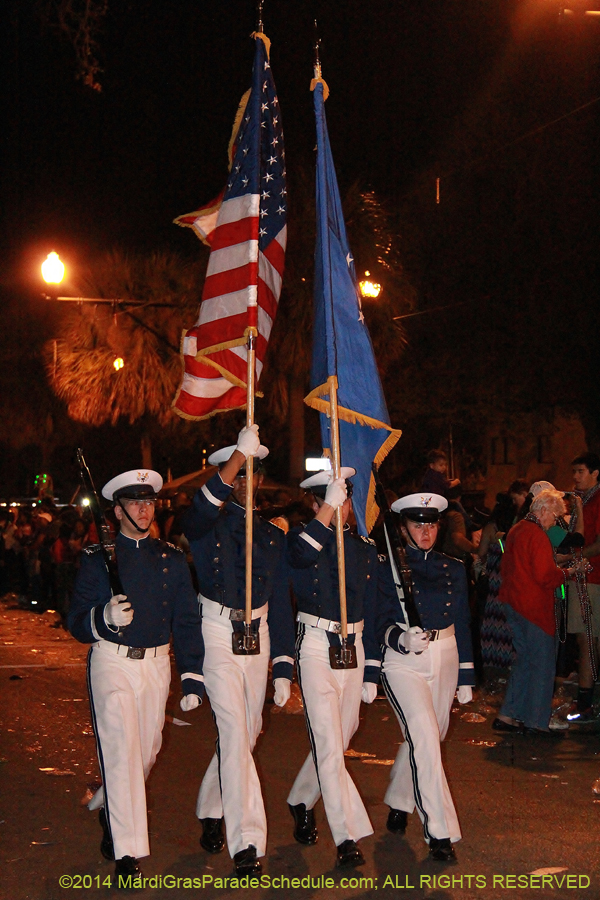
(400, 569)
(102, 527)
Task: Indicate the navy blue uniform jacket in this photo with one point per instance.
(440, 594)
(157, 581)
(217, 534)
(312, 552)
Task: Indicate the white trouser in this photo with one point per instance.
(236, 687)
(128, 699)
(331, 703)
(421, 689)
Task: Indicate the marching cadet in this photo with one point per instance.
(421, 668)
(332, 696)
(129, 669)
(236, 684)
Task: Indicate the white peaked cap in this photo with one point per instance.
(136, 482)
(225, 454)
(326, 477)
(423, 507)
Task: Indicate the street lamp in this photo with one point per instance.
(369, 290)
(53, 270)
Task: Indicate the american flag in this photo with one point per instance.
(246, 230)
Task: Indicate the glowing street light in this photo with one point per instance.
(369, 289)
(53, 270)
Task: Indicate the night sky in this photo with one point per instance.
(90, 169)
(495, 97)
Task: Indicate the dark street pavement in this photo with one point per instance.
(525, 804)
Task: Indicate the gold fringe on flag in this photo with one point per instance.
(316, 401)
(316, 81)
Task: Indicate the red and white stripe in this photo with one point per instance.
(242, 289)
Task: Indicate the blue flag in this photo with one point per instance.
(341, 342)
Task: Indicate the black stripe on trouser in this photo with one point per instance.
(218, 752)
(97, 736)
(411, 751)
(311, 737)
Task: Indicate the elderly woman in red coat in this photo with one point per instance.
(529, 578)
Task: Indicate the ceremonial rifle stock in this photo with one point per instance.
(106, 542)
(400, 570)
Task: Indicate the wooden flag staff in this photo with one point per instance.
(344, 656)
(248, 644)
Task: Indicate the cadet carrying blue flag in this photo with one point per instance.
(342, 345)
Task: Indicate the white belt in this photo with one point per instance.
(215, 610)
(439, 634)
(132, 652)
(329, 624)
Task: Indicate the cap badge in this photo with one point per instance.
(142, 477)
(425, 501)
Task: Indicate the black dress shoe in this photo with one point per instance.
(246, 863)
(499, 725)
(397, 821)
(106, 845)
(349, 854)
(127, 872)
(305, 831)
(212, 839)
(441, 849)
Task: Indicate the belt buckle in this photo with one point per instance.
(136, 652)
(336, 627)
(433, 634)
(237, 615)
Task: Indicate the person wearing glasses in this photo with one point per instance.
(422, 667)
(129, 669)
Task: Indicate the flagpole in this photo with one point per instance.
(250, 641)
(251, 347)
(339, 525)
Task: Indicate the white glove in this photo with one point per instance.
(369, 691)
(464, 693)
(118, 613)
(189, 702)
(415, 640)
(283, 689)
(336, 493)
(248, 441)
